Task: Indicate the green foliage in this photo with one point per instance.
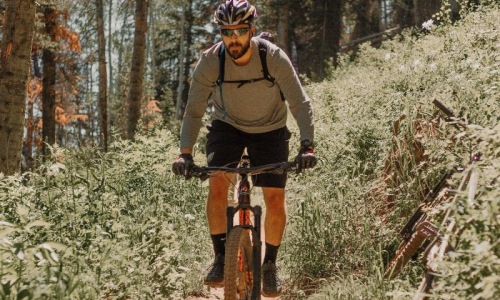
(28, 270)
(472, 269)
(344, 229)
(130, 229)
(119, 225)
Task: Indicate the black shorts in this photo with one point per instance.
(225, 146)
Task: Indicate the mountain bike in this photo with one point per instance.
(242, 265)
(422, 236)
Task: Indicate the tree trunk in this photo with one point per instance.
(283, 39)
(137, 70)
(15, 62)
(424, 10)
(110, 45)
(49, 82)
(404, 13)
(118, 112)
(103, 76)
(332, 30)
(182, 65)
(151, 61)
(187, 62)
(367, 18)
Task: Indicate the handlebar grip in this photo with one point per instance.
(199, 172)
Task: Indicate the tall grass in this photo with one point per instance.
(94, 226)
(89, 225)
(383, 146)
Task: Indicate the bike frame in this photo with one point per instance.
(244, 210)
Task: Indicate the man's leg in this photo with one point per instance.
(274, 226)
(217, 203)
(267, 148)
(224, 148)
(216, 216)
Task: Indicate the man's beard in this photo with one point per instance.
(235, 54)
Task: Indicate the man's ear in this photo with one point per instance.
(252, 30)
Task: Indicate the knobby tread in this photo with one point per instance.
(234, 286)
(424, 231)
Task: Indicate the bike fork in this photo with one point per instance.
(229, 221)
(257, 251)
(255, 231)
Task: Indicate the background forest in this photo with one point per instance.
(97, 214)
(100, 68)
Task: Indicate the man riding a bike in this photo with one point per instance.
(249, 113)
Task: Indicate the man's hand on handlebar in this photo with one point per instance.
(306, 158)
(183, 165)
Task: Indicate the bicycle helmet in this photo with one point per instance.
(235, 12)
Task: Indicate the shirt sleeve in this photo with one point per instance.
(298, 101)
(202, 84)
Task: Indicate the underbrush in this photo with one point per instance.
(103, 226)
(89, 225)
(383, 145)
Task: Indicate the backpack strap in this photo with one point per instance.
(263, 62)
(222, 63)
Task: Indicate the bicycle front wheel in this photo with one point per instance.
(238, 267)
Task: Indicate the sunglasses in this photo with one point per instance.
(238, 32)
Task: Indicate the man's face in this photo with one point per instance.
(236, 39)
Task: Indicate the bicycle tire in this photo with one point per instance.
(238, 267)
(406, 251)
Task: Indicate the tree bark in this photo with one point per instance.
(425, 9)
(182, 57)
(283, 38)
(188, 60)
(49, 82)
(368, 17)
(15, 62)
(110, 45)
(331, 33)
(103, 76)
(137, 70)
(404, 13)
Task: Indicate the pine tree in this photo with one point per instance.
(15, 62)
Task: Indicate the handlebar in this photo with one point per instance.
(276, 168)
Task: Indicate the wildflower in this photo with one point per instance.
(427, 25)
(189, 217)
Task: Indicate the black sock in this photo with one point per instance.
(219, 241)
(271, 253)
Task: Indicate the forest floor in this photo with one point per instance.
(217, 294)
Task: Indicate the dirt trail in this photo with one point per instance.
(218, 294)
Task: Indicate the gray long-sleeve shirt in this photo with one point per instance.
(254, 107)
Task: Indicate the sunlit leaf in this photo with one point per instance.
(6, 232)
(483, 246)
(22, 211)
(38, 223)
(7, 224)
(54, 245)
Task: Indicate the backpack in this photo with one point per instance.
(263, 61)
